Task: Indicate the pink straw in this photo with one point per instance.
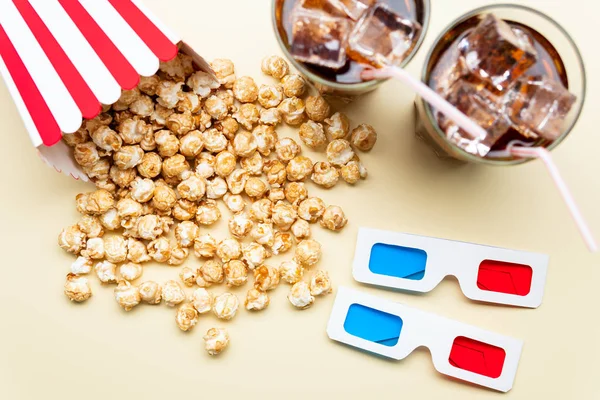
(544, 155)
(476, 131)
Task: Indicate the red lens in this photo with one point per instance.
(478, 357)
(504, 277)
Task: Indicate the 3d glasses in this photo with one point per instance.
(419, 263)
(394, 330)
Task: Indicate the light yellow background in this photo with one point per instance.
(51, 349)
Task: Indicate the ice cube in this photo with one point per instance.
(539, 106)
(449, 68)
(341, 8)
(482, 107)
(319, 38)
(382, 37)
(497, 53)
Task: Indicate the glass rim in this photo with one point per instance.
(424, 77)
(348, 86)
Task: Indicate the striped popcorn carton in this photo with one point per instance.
(63, 59)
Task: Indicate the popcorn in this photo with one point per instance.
(115, 249)
(225, 306)
(201, 300)
(188, 276)
(144, 106)
(275, 66)
(286, 149)
(295, 192)
(292, 111)
(130, 271)
(300, 296)
(351, 172)
(339, 152)
(106, 272)
(284, 215)
(234, 202)
(77, 288)
(256, 187)
(320, 283)
(224, 70)
(149, 84)
(205, 246)
(110, 220)
(245, 90)
(299, 168)
(301, 229)
(228, 126)
(86, 154)
(216, 188)
(244, 144)
(270, 116)
(160, 249)
(164, 197)
(363, 137)
(192, 188)
(333, 218)
(276, 194)
(180, 124)
(191, 144)
(122, 177)
(201, 83)
(229, 249)
(210, 272)
(282, 242)
(167, 143)
(225, 163)
(81, 266)
(312, 135)
(247, 116)
(263, 233)
(236, 181)
(174, 166)
(169, 93)
(184, 210)
(142, 189)
(106, 139)
(325, 174)
(235, 273)
(99, 170)
(205, 165)
(294, 85)
(172, 293)
(99, 202)
(261, 210)
(266, 278)
(317, 108)
(72, 239)
(186, 232)
(214, 141)
(188, 104)
(178, 255)
(94, 249)
(78, 137)
(216, 107)
(311, 209)
(216, 340)
(290, 271)
(240, 225)
(128, 209)
(149, 227)
(253, 164)
(150, 292)
(256, 300)
(150, 166)
(270, 96)
(137, 251)
(266, 137)
(187, 317)
(254, 254)
(308, 252)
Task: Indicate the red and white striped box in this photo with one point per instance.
(62, 59)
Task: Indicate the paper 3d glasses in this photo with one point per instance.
(394, 330)
(419, 263)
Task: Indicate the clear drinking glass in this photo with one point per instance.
(329, 84)
(567, 59)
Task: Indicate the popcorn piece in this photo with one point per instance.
(282, 242)
(184, 210)
(308, 252)
(216, 107)
(339, 152)
(94, 249)
(216, 188)
(247, 116)
(202, 121)
(300, 296)
(99, 170)
(130, 271)
(103, 119)
(99, 202)
(110, 220)
(137, 251)
(188, 276)
(80, 136)
(180, 124)
(122, 177)
(86, 154)
(325, 175)
(225, 306)
(186, 232)
(174, 166)
(205, 246)
(240, 225)
(333, 218)
(191, 144)
(320, 283)
(106, 139)
(72, 239)
(128, 208)
(201, 300)
(210, 272)
(284, 215)
(228, 126)
(276, 194)
(77, 288)
(150, 292)
(187, 317)
(201, 83)
(317, 108)
(266, 278)
(301, 229)
(149, 84)
(150, 166)
(271, 116)
(292, 111)
(216, 340)
(127, 295)
(261, 210)
(208, 213)
(275, 66)
(105, 184)
(229, 249)
(266, 138)
(291, 272)
(167, 143)
(149, 227)
(276, 172)
(337, 126)
(270, 96)
(144, 106)
(214, 141)
(235, 273)
(106, 272)
(90, 226)
(205, 165)
(188, 104)
(160, 115)
(287, 149)
(115, 249)
(175, 67)
(169, 93)
(312, 135)
(245, 144)
(351, 172)
(253, 164)
(133, 130)
(160, 249)
(81, 266)
(142, 190)
(254, 254)
(224, 70)
(294, 85)
(192, 188)
(299, 168)
(256, 300)
(178, 255)
(234, 202)
(164, 197)
(256, 187)
(236, 181)
(225, 163)
(363, 137)
(295, 192)
(245, 90)
(263, 234)
(172, 293)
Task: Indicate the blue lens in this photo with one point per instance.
(373, 325)
(398, 261)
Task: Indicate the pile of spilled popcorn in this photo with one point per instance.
(167, 151)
